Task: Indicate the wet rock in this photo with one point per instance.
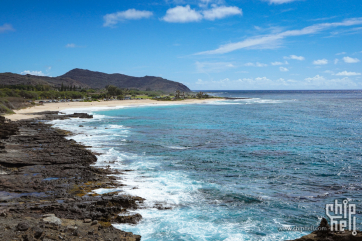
(47, 173)
(134, 219)
(324, 233)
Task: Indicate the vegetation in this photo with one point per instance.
(19, 96)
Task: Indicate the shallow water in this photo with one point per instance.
(235, 169)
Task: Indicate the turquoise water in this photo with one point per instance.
(235, 169)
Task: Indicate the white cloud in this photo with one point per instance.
(131, 14)
(70, 46)
(350, 60)
(319, 82)
(181, 14)
(257, 64)
(271, 40)
(207, 67)
(205, 3)
(283, 69)
(294, 57)
(221, 12)
(38, 73)
(328, 72)
(277, 63)
(342, 53)
(336, 61)
(345, 73)
(316, 82)
(315, 78)
(6, 28)
(280, 1)
(320, 62)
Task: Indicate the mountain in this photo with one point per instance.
(18, 79)
(92, 79)
(100, 80)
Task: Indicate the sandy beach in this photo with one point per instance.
(28, 112)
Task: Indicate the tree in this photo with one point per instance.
(112, 90)
(200, 95)
(177, 96)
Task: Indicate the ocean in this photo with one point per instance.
(232, 169)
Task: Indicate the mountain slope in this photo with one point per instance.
(18, 79)
(100, 80)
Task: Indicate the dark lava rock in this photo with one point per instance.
(134, 219)
(42, 172)
(81, 115)
(38, 232)
(22, 226)
(324, 233)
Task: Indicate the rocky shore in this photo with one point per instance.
(46, 183)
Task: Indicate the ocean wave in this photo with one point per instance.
(177, 147)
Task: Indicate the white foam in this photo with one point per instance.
(106, 190)
(178, 147)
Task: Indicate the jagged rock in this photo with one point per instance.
(47, 173)
(134, 219)
(324, 233)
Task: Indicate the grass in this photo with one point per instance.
(143, 96)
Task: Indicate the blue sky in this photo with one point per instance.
(205, 44)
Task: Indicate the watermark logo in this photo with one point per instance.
(341, 216)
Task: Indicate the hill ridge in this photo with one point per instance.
(94, 79)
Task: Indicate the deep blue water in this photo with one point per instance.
(235, 169)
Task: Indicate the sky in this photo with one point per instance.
(204, 44)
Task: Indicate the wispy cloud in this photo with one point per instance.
(267, 41)
(294, 57)
(342, 53)
(257, 64)
(70, 46)
(221, 12)
(336, 61)
(207, 67)
(280, 1)
(283, 69)
(350, 60)
(320, 62)
(316, 82)
(180, 14)
(321, 82)
(345, 73)
(278, 63)
(34, 72)
(6, 28)
(131, 14)
(206, 3)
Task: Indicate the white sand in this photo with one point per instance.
(26, 113)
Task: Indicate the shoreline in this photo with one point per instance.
(33, 208)
(30, 112)
(47, 183)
